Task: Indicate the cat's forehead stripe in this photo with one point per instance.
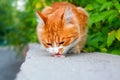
(54, 44)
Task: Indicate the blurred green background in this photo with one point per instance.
(18, 23)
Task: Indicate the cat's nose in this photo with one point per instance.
(55, 50)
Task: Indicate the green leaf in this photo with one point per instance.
(106, 5)
(115, 51)
(117, 35)
(97, 17)
(117, 5)
(103, 49)
(94, 40)
(110, 38)
(101, 1)
(89, 7)
(112, 17)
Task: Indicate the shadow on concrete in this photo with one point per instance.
(9, 64)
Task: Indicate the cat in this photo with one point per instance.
(62, 27)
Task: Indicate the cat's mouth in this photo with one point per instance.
(59, 55)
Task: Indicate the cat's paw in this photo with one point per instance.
(78, 51)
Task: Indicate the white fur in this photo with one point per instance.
(55, 49)
(39, 20)
(68, 15)
(71, 45)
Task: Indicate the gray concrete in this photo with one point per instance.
(9, 64)
(39, 65)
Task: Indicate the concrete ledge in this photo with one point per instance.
(39, 65)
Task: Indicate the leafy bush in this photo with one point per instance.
(104, 26)
(19, 27)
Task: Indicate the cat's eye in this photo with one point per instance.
(61, 43)
(49, 44)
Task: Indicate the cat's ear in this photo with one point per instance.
(41, 19)
(68, 15)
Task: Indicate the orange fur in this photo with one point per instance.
(58, 28)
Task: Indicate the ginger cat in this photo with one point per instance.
(62, 27)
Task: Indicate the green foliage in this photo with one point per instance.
(111, 38)
(104, 26)
(19, 27)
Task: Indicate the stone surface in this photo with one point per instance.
(40, 65)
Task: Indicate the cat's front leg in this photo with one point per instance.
(77, 49)
(79, 46)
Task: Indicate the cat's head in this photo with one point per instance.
(57, 32)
